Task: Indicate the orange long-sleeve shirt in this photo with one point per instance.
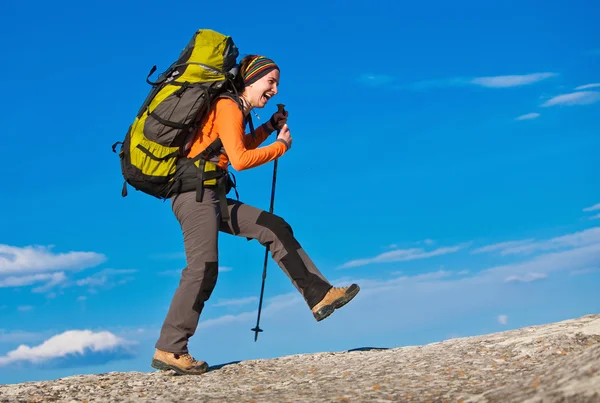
(225, 120)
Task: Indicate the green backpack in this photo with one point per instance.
(153, 151)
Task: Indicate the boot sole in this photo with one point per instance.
(338, 303)
(163, 366)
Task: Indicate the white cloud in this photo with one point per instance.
(375, 79)
(432, 275)
(567, 260)
(574, 98)
(526, 278)
(595, 217)
(56, 278)
(528, 116)
(435, 275)
(236, 302)
(25, 308)
(582, 238)
(436, 83)
(501, 246)
(404, 281)
(503, 319)
(50, 279)
(32, 265)
(125, 280)
(588, 86)
(117, 272)
(578, 255)
(586, 237)
(511, 80)
(401, 255)
(589, 270)
(35, 259)
(426, 242)
(81, 298)
(177, 272)
(228, 319)
(92, 281)
(270, 307)
(72, 342)
(104, 278)
(505, 81)
(595, 207)
(21, 281)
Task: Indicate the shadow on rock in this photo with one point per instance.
(216, 367)
(368, 349)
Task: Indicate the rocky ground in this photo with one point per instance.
(558, 362)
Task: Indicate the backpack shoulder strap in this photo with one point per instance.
(234, 97)
(237, 99)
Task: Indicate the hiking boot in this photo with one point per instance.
(183, 364)
(336, 298)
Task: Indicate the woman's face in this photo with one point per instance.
(262, 90)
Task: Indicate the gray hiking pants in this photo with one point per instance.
(200, 223)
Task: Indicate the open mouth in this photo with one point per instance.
(267, 96)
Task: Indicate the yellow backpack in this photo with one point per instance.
(155, 143)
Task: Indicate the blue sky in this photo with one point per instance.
(445, 158)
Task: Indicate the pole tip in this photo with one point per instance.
(256, 330)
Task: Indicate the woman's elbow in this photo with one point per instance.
(239, 165)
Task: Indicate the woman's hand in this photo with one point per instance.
(285, 135)
(278, 120)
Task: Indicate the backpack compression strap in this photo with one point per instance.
(221, 176)
(213, 149)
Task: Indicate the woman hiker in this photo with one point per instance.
(201, 221)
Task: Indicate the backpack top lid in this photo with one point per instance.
(208, 56)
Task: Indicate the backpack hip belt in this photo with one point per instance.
(199, 173)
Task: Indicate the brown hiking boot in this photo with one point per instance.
(183, 364)
(336, 298)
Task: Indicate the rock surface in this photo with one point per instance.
(558, 362)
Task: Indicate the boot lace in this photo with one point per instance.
(188, 357)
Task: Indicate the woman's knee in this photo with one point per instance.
(207, 285)
(280, 227)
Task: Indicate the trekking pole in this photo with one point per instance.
(280, 108)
